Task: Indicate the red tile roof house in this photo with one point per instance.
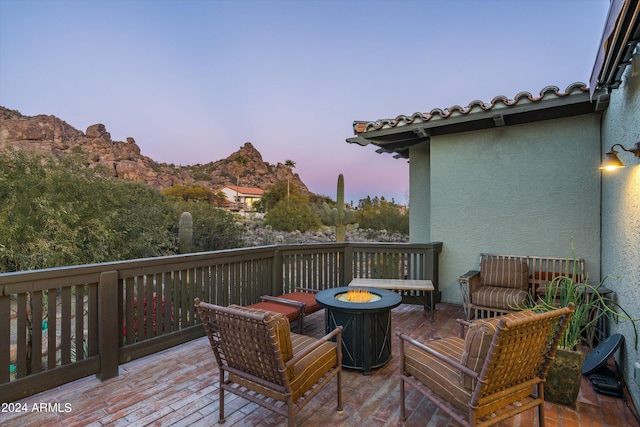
(521, 176)
(242, 198)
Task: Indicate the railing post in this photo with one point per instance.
(347, 265)
(108, 328)
(277, 286)
(431, 262)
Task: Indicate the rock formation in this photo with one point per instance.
(51, 135)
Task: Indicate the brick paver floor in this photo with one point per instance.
(179, 387)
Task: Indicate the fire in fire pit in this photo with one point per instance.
(358, 296)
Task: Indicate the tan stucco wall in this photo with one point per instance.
(621, 216)
(524, 189)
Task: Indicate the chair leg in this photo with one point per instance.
(541, 406)
(339, 383)
(291, 418)
(301, 323)
(403, 415)
(221, 419)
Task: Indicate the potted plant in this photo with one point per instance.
(592, 308)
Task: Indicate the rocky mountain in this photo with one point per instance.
(49, 134)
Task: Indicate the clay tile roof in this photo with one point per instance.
(499, 102)
(247, 190)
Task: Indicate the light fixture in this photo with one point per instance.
(611, 160)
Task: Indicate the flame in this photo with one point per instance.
(358, 295)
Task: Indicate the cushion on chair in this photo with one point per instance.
(304, 374)
(290, 311)
(309, 369)
(500, 298)
(504, 273)
(441, 378)
(478, 341)
(308, 298)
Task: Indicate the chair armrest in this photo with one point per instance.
(463, 325)
(471, 278)
(335, 333)
(437, 355)
(285, 301)
(311, 291)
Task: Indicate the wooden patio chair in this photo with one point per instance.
(260, 360)
(497, 371)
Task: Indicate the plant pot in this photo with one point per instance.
(564, 378)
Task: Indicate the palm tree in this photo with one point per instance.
(290, 164)
(241, 162)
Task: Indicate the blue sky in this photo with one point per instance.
(193, 80)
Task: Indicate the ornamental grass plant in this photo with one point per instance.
(592, 309)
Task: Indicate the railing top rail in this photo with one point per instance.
(88, 273)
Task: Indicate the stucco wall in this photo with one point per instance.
(420, 195)
(524, 189)
(621, 216)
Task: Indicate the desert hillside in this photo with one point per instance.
(49, 134)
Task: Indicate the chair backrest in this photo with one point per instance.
(544, 269)
(252, 344)
(504, 273)
(521, 351)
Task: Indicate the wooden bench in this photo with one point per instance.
(541, 270)
(399, 285)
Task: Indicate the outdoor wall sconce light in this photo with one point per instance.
(611, 160)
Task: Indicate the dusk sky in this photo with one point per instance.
(193, 80)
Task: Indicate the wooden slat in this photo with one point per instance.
(148, 303)
(36, 332)
(21, 336)
(128, 313)
(184, 298)
(52, 322)
(92, 308)
(79, 326)
(65, 326)
(5, 337)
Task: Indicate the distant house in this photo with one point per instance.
(521, 175)
(241, 198)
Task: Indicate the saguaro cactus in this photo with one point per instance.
(339, 217)
(185, 233)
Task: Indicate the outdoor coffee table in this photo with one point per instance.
(400, 285)
(366, 334)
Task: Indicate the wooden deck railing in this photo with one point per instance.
(59, 325)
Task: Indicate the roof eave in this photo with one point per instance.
(399, 138)
(619, 46)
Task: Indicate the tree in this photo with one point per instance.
(241, 163)
(378, 214)
(188, 192)
(56, 213)
(291, 214)
(275, 193)
(290, 164)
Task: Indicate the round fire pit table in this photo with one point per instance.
(366, 334)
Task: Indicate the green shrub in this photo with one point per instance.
(378, 214)
(292, 214)
(213, 229)
(55, 213)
